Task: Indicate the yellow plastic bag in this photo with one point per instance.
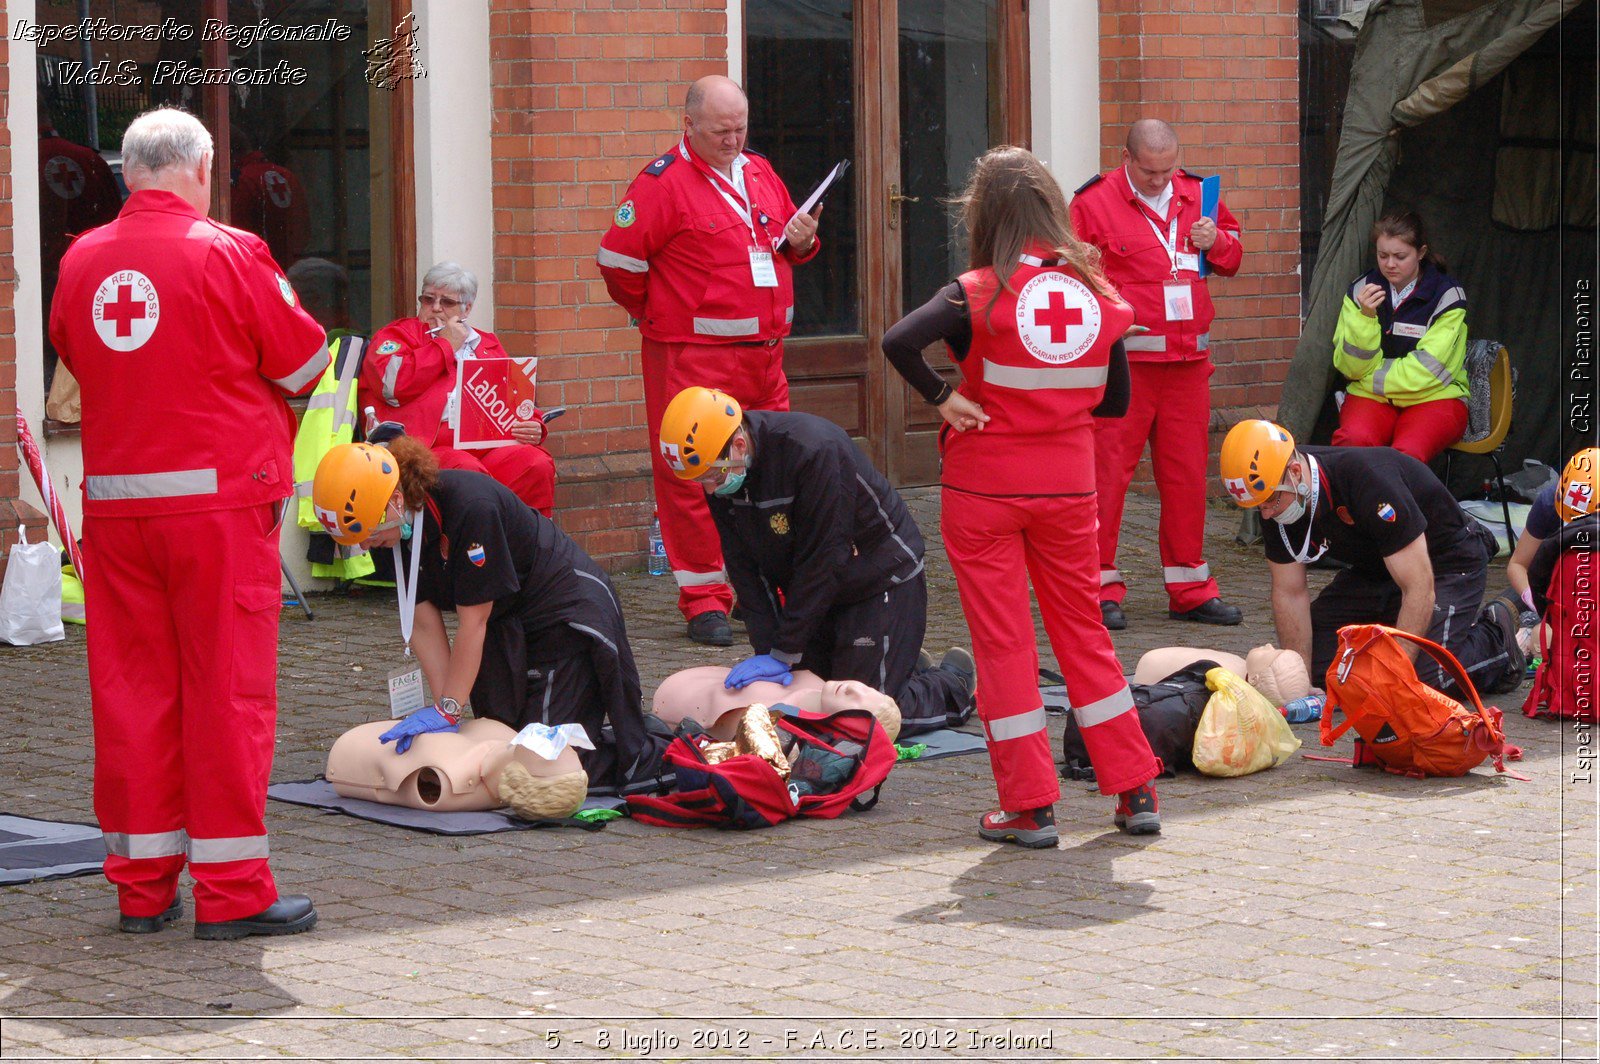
(1240, 732)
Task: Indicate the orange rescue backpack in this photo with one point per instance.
(1408, 727)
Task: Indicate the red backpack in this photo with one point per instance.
(1408, 727)
(1568, 632)
(839, 757)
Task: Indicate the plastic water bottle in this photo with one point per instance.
(1304, 709)
(658, 549)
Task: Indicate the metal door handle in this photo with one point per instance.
(895, 199)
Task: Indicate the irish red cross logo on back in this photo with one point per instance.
(126, 310)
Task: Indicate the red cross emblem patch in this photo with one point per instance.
(1578, 497)
(126, 310)
(1058, 318)
(277, 187)
(64, 176)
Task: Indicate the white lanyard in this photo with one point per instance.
(1304, 555)
(406, 589)
(741, 208)
(1169, 243)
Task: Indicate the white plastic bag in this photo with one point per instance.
(30, 599)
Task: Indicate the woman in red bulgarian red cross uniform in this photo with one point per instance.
(1036, 352)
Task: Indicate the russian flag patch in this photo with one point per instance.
(476, 556)
(1386, 512)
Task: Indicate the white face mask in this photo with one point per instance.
(1305, 499)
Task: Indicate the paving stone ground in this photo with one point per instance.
(1309, 912)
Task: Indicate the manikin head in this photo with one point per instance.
(169, 150)
(698, 694)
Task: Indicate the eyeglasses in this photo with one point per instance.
(442, 302)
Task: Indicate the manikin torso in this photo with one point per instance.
(698, 694)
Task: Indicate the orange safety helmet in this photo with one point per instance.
(1575, 494)
(1254, 457)
(352, 488)
(696, 426)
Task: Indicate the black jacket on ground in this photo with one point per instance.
(815, 525)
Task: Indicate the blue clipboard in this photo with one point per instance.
(1210, 195)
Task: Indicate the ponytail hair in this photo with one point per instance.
(1407, 226)
(419, 470)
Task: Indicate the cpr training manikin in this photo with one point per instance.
(479, 767)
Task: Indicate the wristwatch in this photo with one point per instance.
(450, 708)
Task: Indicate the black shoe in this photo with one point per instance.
(711, 629)
(1506, 619)
(1112, 617)
(959, 661)
(289, 915)
(1214, 611)
(149, 925)
(924, 661)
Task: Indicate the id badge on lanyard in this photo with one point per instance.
(1177, 297)
(763, 271)
(406, 690)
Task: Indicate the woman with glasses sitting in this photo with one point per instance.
(409, 373)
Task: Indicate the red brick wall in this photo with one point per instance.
(583, 96)
(1225, 74)
(12, 512)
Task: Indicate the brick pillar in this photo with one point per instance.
(13, 511)
(582, 99)
(1225, 74)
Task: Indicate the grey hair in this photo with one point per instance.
(453, 277)
(165, 137)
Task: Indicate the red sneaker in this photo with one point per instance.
(1136, 811)
(1034, 828)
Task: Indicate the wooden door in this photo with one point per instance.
(911, 91)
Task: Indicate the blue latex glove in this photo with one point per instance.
(424, 720)
(760, 667)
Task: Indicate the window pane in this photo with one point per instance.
(949, 115)
(801, 83)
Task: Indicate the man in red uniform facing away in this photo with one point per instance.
(1145, 218)
(409, 376)
(692, 257)
(185, 338)
(269, 200)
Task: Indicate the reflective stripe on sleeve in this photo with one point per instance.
(391, 374)
(1378, 376)
(172, 485)
(1017, 726)
(215, 851)
(1177, 574)
(144, 847)
(1452, 299)
(1361, 354)
(1113, 705)
(1144, 343)
(618, 261)
(320, 402)
(788, 315)
(783, 656)
(1110, 576)
(1043, 379)
(727, 326)
(1201, 342)
(688, 579)
(309, 370)
(1433, 366)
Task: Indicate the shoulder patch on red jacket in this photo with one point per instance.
(661, 163)
(1089, 183)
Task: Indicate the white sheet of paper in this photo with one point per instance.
(811, 201)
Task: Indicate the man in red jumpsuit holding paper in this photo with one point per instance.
(1145, 218)
(185, 338)
(692, 256)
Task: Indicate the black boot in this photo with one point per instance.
(149, 925)
(289, 915)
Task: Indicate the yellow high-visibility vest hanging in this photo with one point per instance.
(330, 419)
